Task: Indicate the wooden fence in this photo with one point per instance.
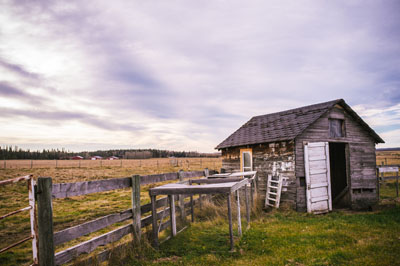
(48, 239)
(182, 163)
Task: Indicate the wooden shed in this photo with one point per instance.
(323, 153)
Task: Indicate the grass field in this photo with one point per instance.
(387, 157)
(278, 238)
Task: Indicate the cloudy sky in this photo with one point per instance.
(183, 75)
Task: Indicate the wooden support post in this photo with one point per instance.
(101, 163)
(246, 194)
(136, 214)
(154, 221)
(172, 214)
(252, 193)
(377, 184)
(45, 221)
(5, 164)
(121, 163)
(397, 184)
(79, 163)
(206, 172)
(56, 163)
(191, 204)
(182, 200)
(238, 213)
(200, 201)
(31, 164)
(230, 221)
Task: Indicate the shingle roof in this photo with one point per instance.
(286, 125)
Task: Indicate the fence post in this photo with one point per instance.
(56, 163)
(31, 164)
(182, 200)
(397, 184)
(136, 214)
(45, 221)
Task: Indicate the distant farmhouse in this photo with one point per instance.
(96, 157)
(112, 158)
(323, 153)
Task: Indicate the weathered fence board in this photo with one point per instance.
(90, 227)
(64, 190)
(88, 246)
(149, 179)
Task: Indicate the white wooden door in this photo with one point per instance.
(318, 178)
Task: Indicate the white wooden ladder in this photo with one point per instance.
(274, 188)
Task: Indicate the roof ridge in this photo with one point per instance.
(301, 107)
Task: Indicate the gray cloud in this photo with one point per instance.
(10, 91)
(56, 116)
(20, 70)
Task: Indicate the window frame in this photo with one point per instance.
(242, 167)
(342, 128)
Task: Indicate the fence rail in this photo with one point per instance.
(48, 239)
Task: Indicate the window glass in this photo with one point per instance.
(247, 161)
(336, 128)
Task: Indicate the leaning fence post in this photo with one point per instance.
(136, 214)
(191, 203)
(45, 221)
(182, 199)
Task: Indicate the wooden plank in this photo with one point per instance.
(387, 169)
(150, 179)
(33, 220)
(230, 221)
(172, 215)
(246, 195)
(239, 185)
(154, 220)
(64, 190)
(45, 221)
(238, 213)
(136, 214)
(15, 180)
(181, 200)
(192, 174)
(216, 180)
(90, 227)
(88, 246)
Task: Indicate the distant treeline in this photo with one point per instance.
(389, 149)
(15, 153)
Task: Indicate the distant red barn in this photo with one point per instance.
(113, 158)
(96, 157)
(77, 158)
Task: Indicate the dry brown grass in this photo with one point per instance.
(387, 157)
(155, 163)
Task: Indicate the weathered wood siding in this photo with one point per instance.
(231, 159)
(361, 153)
(276, 159)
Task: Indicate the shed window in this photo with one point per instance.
(336, 129)
(246, 160)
